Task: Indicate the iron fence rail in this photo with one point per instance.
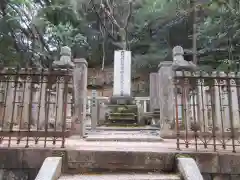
(210, 107)
(34, 105)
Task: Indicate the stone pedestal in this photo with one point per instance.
(154, 89)
(154, 98)
(122, 110)
(80, 96)
(122, 100)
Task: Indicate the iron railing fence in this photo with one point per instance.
(35, 106)
(209, 107)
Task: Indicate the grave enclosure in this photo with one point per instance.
(47, 111)
(198, 109)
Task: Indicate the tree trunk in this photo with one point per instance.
(123, 38)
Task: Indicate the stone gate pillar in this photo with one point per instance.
(166, 97)
(80, 96)
(167, 103)
(154, 89)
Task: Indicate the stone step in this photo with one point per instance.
(122, 105)
(122, 122)
(124, 128)
(125, 176)
(121, 117)
(123, 114)
(123, 137)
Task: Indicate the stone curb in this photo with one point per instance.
(161, 160)
(189, 169)
(125, 129)
(126, 139)
(51, 169)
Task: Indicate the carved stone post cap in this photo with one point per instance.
(65, 51)
(165, 64)
(80, 61)
(65, 58)
(177, 50)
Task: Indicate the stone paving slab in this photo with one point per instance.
(123, 128)
(129, 176)
(82, 156)
(126, 136)
(128, 132)
(102, 140)
(123, 138)
(76, 143)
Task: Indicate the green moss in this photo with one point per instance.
(183, 156)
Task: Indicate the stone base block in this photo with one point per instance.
(122, 100)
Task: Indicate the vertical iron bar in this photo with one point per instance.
(56, 104)
(221, 113)
(203, 107)
(21, 113)
(5, 102)
(72, 110)
(47, 99)
(213, 104)
(65, 93)
(7, 81)
(231, 112)
(238, 93)
(14, 97)
(194, 114)
(185, 112)
(30, 107)
(40, 97)
(176, 113)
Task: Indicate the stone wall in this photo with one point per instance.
(18, 174)
(207, 176)
(217, 166)
(104, 81)
(212, 165)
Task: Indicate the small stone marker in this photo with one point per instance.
(94, 113)
(94, 99)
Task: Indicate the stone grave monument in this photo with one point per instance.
(122, 106)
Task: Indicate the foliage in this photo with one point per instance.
(32, 31)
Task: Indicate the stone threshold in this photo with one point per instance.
(119, 176)
(123, 128)
(124, 158)
(123, 138)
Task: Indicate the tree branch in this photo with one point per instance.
(100, 20)
(109, 7)
(29, 19)
(110, 14)
(129, 15)
(4, 14)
